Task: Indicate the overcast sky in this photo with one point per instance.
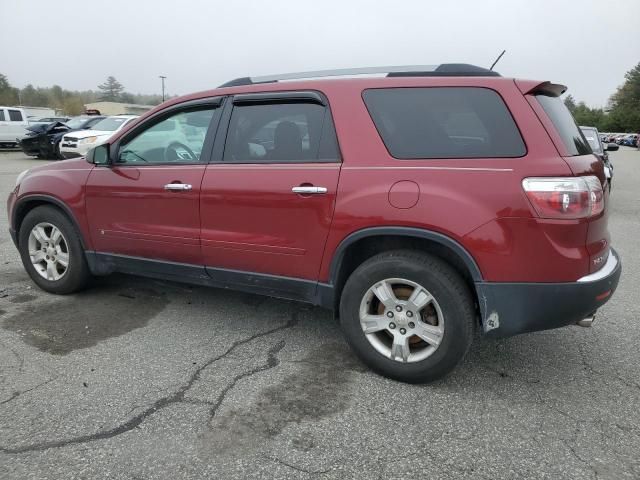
(198, 44)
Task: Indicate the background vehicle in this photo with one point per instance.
(47, 120)
(13, 125)
(630, 140)
(600, 149)
(43, 140)
(78, 143)
(420, 206)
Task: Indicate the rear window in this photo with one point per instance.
(444, 122)
(565, 125)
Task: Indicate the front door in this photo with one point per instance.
(146, 203)
(267, 201)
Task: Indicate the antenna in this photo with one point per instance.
(497, 59)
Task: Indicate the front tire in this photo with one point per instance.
(51, 251)
(408, 315)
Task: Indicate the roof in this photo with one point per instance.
(441, 70)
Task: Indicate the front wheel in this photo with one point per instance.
(408, 315)
(51, 251)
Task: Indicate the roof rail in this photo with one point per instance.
(442, 70)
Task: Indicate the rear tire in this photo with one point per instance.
(429, 302)
(51, 251)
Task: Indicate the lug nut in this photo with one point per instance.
(409, 313)
(403, 331)
(412, 325)
(392, 325)
(398, 308)
(390, 314)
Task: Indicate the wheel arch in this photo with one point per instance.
(28, 203)
(363, 244)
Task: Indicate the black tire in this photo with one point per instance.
(56, 152)
(77, 274)
(442, 282)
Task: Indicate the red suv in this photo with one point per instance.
(420, 205)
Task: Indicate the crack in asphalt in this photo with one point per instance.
(176, 397)
(272, 362)
(16, 394)
(295, 467)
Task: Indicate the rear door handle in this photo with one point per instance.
(178, 186)
(308, 190)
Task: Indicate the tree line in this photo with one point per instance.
(71, 102)
(622, 113)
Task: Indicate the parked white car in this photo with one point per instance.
(77, 144)
(13, 125)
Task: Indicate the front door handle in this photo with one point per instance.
(309, 190)
(178, 186)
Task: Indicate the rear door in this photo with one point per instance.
(268, 196)
(5, 133)
(146, 203)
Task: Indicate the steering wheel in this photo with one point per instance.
(178, 151)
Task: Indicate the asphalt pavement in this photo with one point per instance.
(143, 379)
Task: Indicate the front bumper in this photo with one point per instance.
(511, 308)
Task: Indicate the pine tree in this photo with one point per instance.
(111, 90)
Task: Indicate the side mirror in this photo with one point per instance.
(611, 147)
(99, 155)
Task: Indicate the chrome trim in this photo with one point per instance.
(309, 190)
(178, 186)
(606, 270)
(343, 72)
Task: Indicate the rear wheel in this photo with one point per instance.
(408, 315)
(51, 251)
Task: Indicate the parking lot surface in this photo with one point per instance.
(143, 379)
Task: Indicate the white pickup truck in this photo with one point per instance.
(13, 125)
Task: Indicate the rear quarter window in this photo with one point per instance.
(565, 125)
(15, 115)
(444, 122)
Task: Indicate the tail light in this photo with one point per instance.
(565, 197)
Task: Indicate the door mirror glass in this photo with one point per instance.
(99, 155)
(612, 147)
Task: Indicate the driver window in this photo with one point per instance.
(176, 139)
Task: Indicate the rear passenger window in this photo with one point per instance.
(15, 115)
(444, 122)
(1, 115)
(565, 125)
(281, 132)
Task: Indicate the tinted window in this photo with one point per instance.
(591, 134)
(444, 122)
(176, 139)
(271, 133)
(15, 115)
(565, 125)
(1, 115)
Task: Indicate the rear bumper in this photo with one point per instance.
(511, 308)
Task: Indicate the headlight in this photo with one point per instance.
(88, 140)
(21, 177)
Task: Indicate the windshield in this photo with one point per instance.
(109, 124)
(76, 122)
(591, 134)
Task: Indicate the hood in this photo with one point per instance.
(91, 133)
(72, 164)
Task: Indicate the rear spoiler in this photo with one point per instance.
(533, 87)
